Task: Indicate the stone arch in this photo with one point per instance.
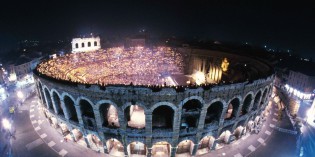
(76, 45)
(239, 131)
(257, 100)
(185, 147)
(214, 111)
(69, 102)
(163, 116)
(89, 44)
(191, 110)
(115, 147)
(191, 98)
(136, 147)
(134, 114)
(164, 104)
(82, 45)
(95, 142)
(233, 107)
(95, 43)
(225, 136)
(162, 148)
(205, 145)
(48, 99)
(109, 113)
(57, 102)
(247, 101)
(87, 112)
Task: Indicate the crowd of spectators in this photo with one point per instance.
(138, 65)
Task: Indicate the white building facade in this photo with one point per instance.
(85, 44)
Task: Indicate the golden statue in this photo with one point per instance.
(225, 65)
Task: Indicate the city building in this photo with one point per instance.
(85, 44)
(137, 100)
(24, 65)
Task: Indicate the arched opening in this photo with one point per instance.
(256, 101)
(95, 43)
(64, 129)
(137, 149)
(263, 99)
(205, 145)
(115, 148)
(89, 44)
(49, 102)
(54, 122)
(162, 117)
(190, 114)
(238, 132)
(94, 142)
(161, 149)
(232, 109)
(78, 136)
(58, 104)
(76, 45)
(250, 126)
(109, 115)
(72, 113)
(185, 148)
(246, 104)
(224, 137)
(87, 114)
(135, 116)
(82, 44)
(214, 112)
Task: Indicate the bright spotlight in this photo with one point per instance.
(199, 77)
(6, 124)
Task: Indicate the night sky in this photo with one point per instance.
(284, 24)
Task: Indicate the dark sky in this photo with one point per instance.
(281, 24)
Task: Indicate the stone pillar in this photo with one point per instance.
(221, 121)
(176, 127)
(125, 149)
(149, 153)
(98, 118)
(53, 104)
(194, 149)
(214, 145)
(173, 151)
(251, 104)
(86, 141)
(64, 109)
(201, 123)
(72, 135)
(148, 129)
(79, 114)
(121, 120)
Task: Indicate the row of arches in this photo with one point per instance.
(83, 44)
(108, 114)
(115, 147)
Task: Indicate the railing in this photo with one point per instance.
(162, 132)
(73, 122)
(229, 122)
(211, 126)
(135, 132)
(187, 132)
